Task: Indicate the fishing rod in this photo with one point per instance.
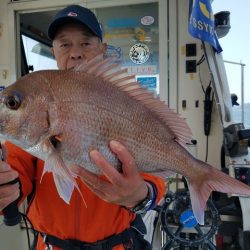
(11, 214)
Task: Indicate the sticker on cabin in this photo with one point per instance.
(115, 52)
(147, 20)
(141, 69)
(139, 53)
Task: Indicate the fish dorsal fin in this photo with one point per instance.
(112, 72)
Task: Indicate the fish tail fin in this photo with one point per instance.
(64, 179)
(212, 180)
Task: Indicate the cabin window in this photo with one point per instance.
(133, 37)
(36, 56)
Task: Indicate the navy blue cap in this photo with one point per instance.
(78, 14)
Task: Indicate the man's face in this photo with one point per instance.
(73, 44)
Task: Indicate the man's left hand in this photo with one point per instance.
(126, 188)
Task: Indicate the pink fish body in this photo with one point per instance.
(92, 105)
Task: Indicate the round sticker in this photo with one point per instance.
(139, 53)
(147, 20)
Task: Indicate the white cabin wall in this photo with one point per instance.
(189, 89)
(4, 45)
(11, 238)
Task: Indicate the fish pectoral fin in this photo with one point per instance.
(55, 164)
(64, 179)
(64, 187)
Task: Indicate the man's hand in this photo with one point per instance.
(8, 192)
(126, 189)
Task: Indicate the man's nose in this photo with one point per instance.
(76, 54)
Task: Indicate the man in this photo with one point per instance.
(112, 203)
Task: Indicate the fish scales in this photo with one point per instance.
(83, 111)
(88, 131)
(103, 95)
(99, 113)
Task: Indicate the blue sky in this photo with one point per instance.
(236, 44)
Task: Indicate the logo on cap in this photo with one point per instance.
(72, 14)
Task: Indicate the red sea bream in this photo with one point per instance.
(89, 106)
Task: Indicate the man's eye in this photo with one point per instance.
(64, 45)
(86, 44)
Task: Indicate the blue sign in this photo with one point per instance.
(123, 23)
(187, 219)
(201, 23)
(148, 82)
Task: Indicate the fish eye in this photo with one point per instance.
(13, 102)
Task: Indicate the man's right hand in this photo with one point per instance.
(8, 192)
